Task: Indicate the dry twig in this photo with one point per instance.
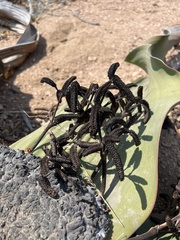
(155, 230)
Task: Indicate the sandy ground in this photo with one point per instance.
(68, 46)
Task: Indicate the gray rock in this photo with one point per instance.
(27, 212)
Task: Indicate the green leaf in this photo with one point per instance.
(132, 200)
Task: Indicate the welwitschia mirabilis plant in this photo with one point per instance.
(132, 200)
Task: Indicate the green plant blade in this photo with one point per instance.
(132, 200)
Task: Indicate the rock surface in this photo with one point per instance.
(27, 212)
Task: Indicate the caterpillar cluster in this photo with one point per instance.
(104, 112)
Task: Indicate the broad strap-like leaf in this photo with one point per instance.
(131, 201)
